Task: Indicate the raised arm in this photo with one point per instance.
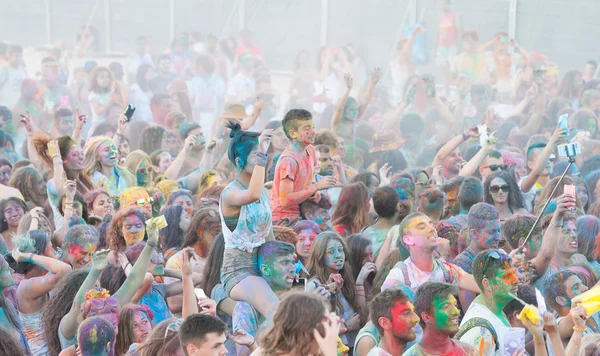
(57, 164)
(80, 120)
(444, 113)
(452, 145)
(121, 129)
(173, 171)
(239, 197)
(373, 80)
(552, 235)
(34, 157)
(68, 324)
(406, 52)
(190, 305)
(289, 198)
(138, 271)
(339, 108)
(259, 104)
(33, 288)
(541, 162)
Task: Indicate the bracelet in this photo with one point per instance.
(152, 244)
(55, 155)
(465, 136)
(557, 225)
(57, 162)
(580, 330)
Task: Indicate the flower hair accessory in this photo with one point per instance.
(96, 293)
(148, 311)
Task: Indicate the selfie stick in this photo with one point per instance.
(571, 156)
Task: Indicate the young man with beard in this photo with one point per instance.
(437, 308)
(419, 237)
(486, 231)
(276, 266)
(449, 157)
(561, 231)
(394, 317)
(405, 189)
(492, 162)
(498, 283)
(294, 172)
(538, 162)
(452, 188)
(561, 288)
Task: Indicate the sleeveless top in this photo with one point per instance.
(34, 332)
(254, 223)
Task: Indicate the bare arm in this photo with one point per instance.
(393, 121)
(540, 164)
(190, 305)
(173, 171)
(240, 197)
(552, 235)
(288, 198)
(467, 282)
(473, 165)
(373, 80)
(69, 324)
(33, 288)
(259, 104)
(406, 52)
(341, 104)
(137, 275)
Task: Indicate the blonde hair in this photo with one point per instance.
(91, 163)
(167, 186)
(134, 160)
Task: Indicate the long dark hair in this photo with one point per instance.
(8, 307)
(515, 197)
(214, 261)
(357, 244)
(242, 143)
(37, 245)
(59, 305)
(205, 220)
(171, 237)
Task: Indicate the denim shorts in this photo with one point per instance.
(237, 265)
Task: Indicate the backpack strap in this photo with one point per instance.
(442, 266)
(478, 322)
(404, 270)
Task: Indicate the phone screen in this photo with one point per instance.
(301, 283)
(570, 190)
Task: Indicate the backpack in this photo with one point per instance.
(478, 322)
(438, 263)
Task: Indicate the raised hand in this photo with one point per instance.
(100, 260)
(365, 271)
(384, 172)
(376, 75)
(27, 122)
(80, 120)
(241, 338)
(264, 140)
(70, 189)
(564, 204)
(259, 104)
(209, 306)
(122, 124)
(187, 255)
(331, 330)
(53, 149)
(430, 86)
(348, 80)
(326, 183)
(152, 232)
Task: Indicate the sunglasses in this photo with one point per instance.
(100, 304)
(142, 202)
(495, 167)
(145, 170)
(174, 327)
(493, 255)
(497, 188)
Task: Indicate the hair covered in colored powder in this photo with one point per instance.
(94, 335)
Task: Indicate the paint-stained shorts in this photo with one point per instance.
(237, 265)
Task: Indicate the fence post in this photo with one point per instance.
(324, 22)
(48, 14)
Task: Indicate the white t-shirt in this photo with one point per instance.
(474, 336)
(378, 351)
(417, 277)
(529, 197)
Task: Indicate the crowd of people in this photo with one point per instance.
(383, 213)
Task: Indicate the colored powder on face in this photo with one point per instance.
(441, 317)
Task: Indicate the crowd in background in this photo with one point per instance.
(358, 211)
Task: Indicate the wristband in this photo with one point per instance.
(152, 244)
(465, 136)
(557, 225)
(580, 330)
(55, 155)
